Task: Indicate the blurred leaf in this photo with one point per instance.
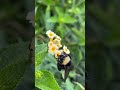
(47, 82)
(68, 85)
(12, 74)
(47, 2)
(80, 55)
(81, 36)
(66, 18)
(13, 65)
(112, 36)
(40, 53)
(59, 11)
(53, 19)
(81, 87)
(13, 53)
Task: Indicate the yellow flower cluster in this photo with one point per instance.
(54, 44)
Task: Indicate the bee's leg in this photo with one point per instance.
(59, 66)
(68, 68)
(66, 73)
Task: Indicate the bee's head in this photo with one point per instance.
(64, 58)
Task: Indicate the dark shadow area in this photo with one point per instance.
(16, 33)
(103, 45)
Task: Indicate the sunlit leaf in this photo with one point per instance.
(40, 53)
(81, 87)
(47, 82)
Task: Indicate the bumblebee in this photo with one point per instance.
(64, 63)
(62, 54)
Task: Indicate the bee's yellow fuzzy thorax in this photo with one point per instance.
(66, 60)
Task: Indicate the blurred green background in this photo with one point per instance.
(67, 19)
(16, 68)
(103, 44)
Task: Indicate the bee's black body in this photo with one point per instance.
(60, 61)
(67, 66)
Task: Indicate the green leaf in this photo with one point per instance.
(59, 11)
(13, 53)
(53, 19)
(63, 17)
(40, 53)
(68, 85)
(80, 55)
(81, 36)
(81, 87)
(46, 82)
(48, 2)
(38, 74)
(66, 18)
(14, 60)
(12, 74)
(112, 37)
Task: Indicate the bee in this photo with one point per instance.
(62, 54)
(64, 63)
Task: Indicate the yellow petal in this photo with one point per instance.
(50, 44)
(57, 37)
(53, 48)
(57, 53)
(50, 34)
(66, 50)
(56, 41)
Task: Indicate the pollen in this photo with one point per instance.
(53, 48)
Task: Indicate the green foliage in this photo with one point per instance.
(16, 67)
(103, 47)
(67, 19)
(112, 37)
(43, 79)
(40, 53)
(47, 81)
(13, 70)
